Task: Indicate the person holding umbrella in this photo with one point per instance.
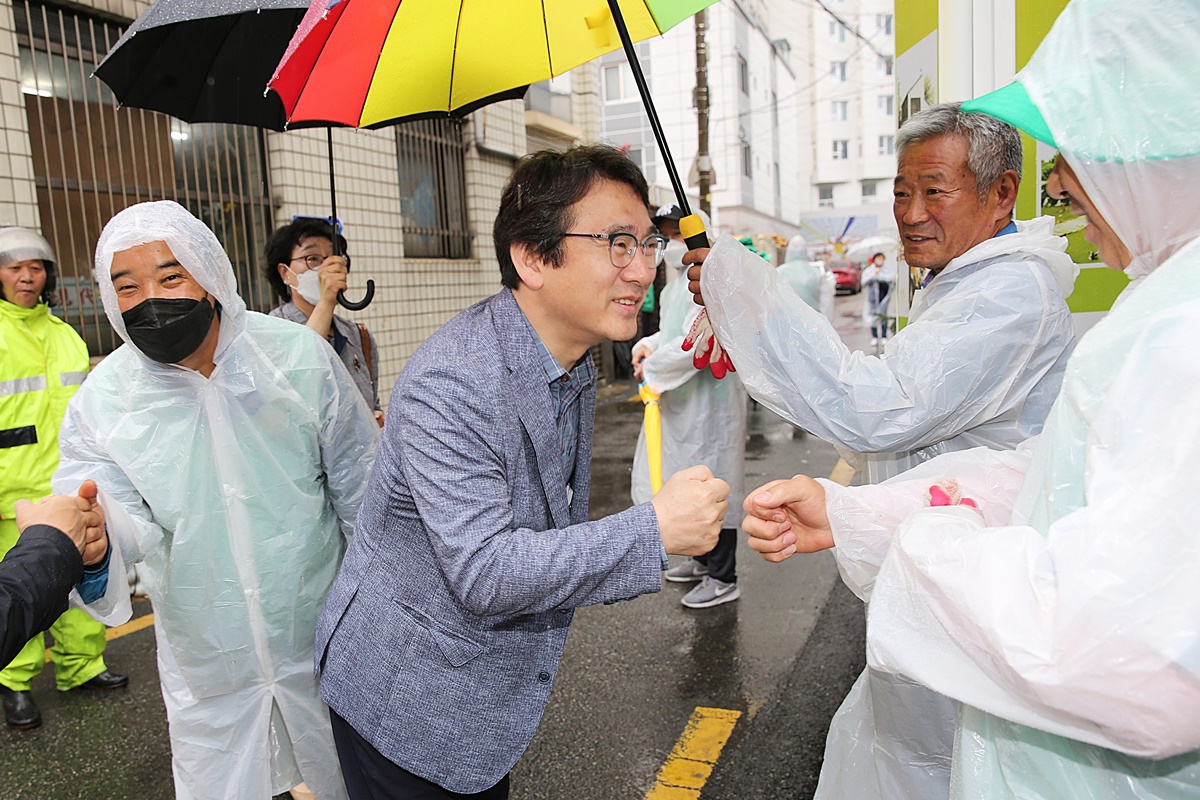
(302, 267)
(1059, 607)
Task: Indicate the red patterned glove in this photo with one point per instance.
(708, 351)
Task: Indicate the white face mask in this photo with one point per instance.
(308, 285)
(673, 254)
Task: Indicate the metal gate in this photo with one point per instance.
(91, 159)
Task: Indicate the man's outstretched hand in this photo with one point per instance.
(787, 517)
(80, 518)
(691, 508)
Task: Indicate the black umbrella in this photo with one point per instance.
(206, 61)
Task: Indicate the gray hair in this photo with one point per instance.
(994, 147)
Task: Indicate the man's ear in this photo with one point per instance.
(529, 264)
(1005, 188)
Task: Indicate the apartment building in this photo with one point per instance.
(802, 115)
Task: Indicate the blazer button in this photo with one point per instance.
(543, 677)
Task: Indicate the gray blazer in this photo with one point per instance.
(441, 636)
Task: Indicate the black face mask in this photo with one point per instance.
(169, 329)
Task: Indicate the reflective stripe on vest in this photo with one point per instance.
(19, 385)
(71, 378)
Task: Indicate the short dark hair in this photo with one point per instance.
(284, 240)
(535, 209)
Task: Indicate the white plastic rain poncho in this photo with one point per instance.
(979, 363)
(703, 419)
(813, 284)
(236, 493)
(1066, 620)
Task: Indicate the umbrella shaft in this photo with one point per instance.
(644, 90)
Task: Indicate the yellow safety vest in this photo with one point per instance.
(42, 363)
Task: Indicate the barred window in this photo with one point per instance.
(92, 159)
(433, 189)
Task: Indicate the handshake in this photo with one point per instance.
(80, 518)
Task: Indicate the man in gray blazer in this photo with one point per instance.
(440, 639)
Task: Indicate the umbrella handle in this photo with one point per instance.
(361, 304)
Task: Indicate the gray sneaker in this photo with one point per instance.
(690, 570)
(711, 592)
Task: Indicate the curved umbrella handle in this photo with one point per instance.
(361, 304)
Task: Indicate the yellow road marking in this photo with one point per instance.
(133, 626)
(691, 761)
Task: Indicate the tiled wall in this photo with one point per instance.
(18, 197)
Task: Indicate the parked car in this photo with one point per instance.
(847, 275)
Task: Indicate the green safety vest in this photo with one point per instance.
(42, 363)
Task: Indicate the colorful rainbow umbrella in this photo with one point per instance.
(366, 63)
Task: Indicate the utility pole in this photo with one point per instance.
(703, 164)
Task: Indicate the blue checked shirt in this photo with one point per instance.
(565, 389)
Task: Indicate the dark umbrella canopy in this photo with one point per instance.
(209, 61)
(205, 60)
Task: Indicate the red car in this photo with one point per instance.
(847, 275)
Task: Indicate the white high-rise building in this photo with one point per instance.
(802, 118)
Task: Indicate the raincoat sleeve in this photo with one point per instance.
(670, 366)
(349, 438)
(450, 439)
(865, 519)
(1088, 630)
(131, 529)
(940, 376)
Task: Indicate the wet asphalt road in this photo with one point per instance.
(632, 674)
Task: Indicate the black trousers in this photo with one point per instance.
(370, 775)
(722, 559)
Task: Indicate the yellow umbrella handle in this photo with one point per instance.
(653, 425)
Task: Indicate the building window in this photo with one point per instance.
(825, 196)
(743, 75)
(838, 70)
(619, 85)
(869, 189)
(433, 189)
(885, 64)
(887, 145)
(883, 24)
(92, 159)
(885, 105)
(837, 32)
(635, 155)
(840, 109)
(747, 161)
(841, 149)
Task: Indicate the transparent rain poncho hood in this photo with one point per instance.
(812, 284)
(236, 493)
(1065, 618)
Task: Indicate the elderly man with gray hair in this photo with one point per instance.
(979, 364)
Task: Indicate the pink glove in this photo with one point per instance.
(709, 352)
(946, 493)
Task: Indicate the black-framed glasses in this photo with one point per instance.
(622, 247)
(313, 261)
